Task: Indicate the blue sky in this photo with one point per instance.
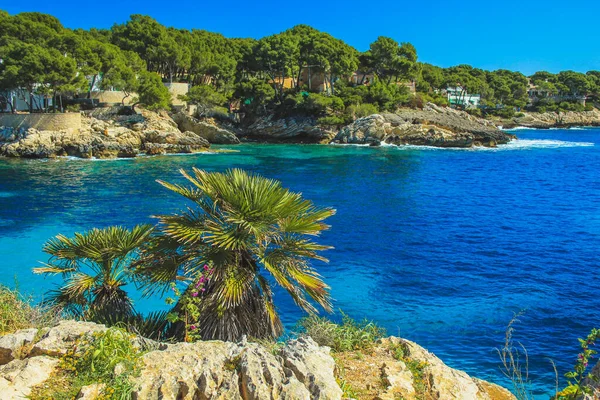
(519, 35)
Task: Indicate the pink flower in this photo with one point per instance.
(205, 267)
(202, 279)
(203, 289)
(195, 294)
(193, 327)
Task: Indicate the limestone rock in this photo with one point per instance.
(91, 392)
(14, 345)
(59, 339)
(263, 377)
(296, 129)
(556, 119)
(18, 377)
(398, 379)
(221, 370)
(432, 126)
(442, 382)
(202, 370)
(111, 136)
(313, 366)
(210, 132)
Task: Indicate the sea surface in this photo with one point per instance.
(439, 246)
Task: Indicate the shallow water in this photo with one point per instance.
(440, 246)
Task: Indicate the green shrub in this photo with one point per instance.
(361, 110)
(94, 361)
(331, 121)
(347, 336)
(73, 108)
(475, 112)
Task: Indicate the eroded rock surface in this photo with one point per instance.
(556, 119)
(104, 134)
(206, 130)
(432, 126)
(298, 370)
(16, 345)
(295, 130)
(18, 377)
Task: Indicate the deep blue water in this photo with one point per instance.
(439, 246)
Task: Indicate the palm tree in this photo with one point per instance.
(243, 225)
(95, 267)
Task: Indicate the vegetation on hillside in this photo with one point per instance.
(281, 73)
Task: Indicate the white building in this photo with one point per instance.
(457, 96)
(17, 99)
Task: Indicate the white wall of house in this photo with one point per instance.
(456, 96)
(17, 99)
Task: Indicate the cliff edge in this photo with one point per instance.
(33, 360)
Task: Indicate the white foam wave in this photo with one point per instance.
(519, 128)
(515, 144)
(524, 144)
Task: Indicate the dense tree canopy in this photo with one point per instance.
(40, 56)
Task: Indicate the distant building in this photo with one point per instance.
(457, 96)
(361, 78)
(537, 94)
(19, 98)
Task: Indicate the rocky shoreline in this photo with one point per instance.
(104, 133)
(432, 126)
(569, 119)
(299, 369)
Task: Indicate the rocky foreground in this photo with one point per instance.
(300, 369)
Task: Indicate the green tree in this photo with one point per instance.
(95, 267)
(255, 94)
(391, 62)
(205, 97)
(152, 93)
(243, 226)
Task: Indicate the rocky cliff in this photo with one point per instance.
(432, 126)
(104, 134)
(299, 369)
(293, 129)
(205, 129)
(555, 120)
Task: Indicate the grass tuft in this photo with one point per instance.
(347, 336)
(17, 312)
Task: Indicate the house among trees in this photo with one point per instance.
(20, 100)
(548, 92)
(458, 96)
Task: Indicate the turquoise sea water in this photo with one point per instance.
(439, 246)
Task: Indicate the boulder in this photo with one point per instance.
(294, 129)
(212, 133)
(442, 382)
(59, 339)
(262, 376)
(313, 366)
(18, 377)
(14, 345)
(201, 370)
(222, 370)
(91, 392)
